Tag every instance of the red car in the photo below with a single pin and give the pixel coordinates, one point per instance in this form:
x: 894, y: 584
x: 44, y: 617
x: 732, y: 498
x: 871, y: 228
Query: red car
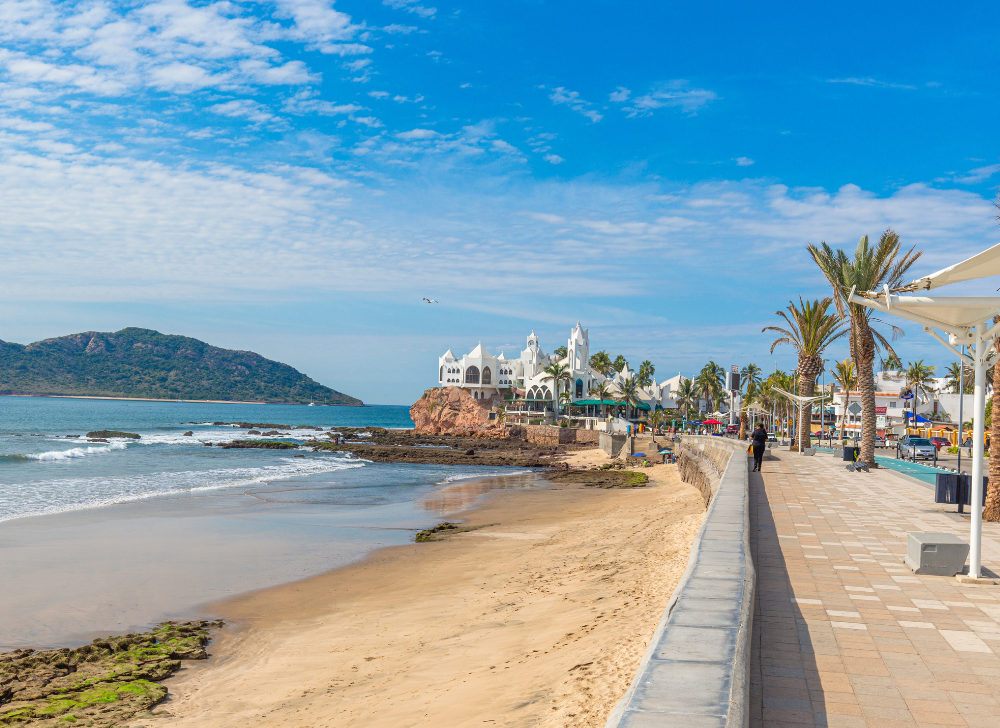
x: 940, y: 442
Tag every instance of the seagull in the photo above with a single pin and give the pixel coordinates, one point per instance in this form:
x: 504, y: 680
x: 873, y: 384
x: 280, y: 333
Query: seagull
x: 430, y: 300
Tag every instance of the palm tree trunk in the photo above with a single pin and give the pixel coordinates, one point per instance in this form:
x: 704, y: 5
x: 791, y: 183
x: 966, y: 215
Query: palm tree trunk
x: 992, y: 510
x: 807, y: 387
x: 864, y: 361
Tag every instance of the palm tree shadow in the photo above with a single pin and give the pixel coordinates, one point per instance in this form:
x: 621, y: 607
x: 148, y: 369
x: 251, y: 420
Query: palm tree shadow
x: 784, y: 683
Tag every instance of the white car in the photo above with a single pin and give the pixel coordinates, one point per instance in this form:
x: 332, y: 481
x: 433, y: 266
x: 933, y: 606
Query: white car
x: 917, y: 447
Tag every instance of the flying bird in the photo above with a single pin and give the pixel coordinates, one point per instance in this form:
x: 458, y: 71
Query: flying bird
x: 430, y: 300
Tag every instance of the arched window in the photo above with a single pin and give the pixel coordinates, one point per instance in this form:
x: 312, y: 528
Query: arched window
x: 487, y: 376
x: 472, y: 375
x: 531, y: 393
x: 545, y: 393
x: 579, y: 388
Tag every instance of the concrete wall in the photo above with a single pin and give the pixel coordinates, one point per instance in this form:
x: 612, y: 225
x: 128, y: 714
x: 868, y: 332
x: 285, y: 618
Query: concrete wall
x: 612, y: 443
x: 552, y: 435
x: 696, y: 669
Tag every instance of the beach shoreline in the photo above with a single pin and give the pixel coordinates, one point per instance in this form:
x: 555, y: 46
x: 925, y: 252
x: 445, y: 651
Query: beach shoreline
x: 538, y: 615
x: 177, y: 401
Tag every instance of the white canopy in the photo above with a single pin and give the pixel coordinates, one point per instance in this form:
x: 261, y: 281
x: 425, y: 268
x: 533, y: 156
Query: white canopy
x: 981, y: 265
x: 797, y: 397
x: 951, y: 313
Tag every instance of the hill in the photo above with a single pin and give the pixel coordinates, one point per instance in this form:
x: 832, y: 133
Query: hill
x: 144, y: 363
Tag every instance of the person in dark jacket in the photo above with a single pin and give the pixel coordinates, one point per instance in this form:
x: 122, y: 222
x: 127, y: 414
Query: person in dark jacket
x: 759, y: 438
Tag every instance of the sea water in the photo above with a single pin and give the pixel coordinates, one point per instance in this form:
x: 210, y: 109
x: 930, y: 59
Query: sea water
x: 44, y: 471
x: 108, y: 537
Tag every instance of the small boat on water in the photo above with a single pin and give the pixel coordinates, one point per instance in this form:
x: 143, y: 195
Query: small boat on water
x: 311, y: 404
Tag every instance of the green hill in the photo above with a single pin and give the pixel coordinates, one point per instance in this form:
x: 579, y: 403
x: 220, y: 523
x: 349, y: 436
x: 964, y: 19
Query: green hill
x: 145, y: 363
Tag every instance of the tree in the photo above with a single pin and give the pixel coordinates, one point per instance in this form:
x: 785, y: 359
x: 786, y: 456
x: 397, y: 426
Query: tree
x: 601, y: 362
x: 656, y: 419
x: 560, y: 353
x: 628, y: 393
x: 711, y: 381
x: 810, y: 330
x: 871, y: 267
x: 619, y: 363
x: 558, y: 373
x: 891, y: 363
x: 566, y: 398
x: 954, y: 378
x: 603, y: 392
x: 646, y: 372
x: 843, y: 374
x: 687, y: 395
x: 991, y: 511
x: 918, y: 376
x: 749, y: 380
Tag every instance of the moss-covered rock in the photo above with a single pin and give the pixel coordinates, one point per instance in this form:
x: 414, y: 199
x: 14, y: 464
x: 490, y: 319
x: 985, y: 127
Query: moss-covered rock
x: 100, y: 684
x: 259, y: 445
x: 113, y: 433
x: 601, y: 478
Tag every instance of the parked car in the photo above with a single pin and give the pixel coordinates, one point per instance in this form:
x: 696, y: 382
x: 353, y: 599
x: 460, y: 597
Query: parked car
x: 917, y: 447
x: 940, y: 442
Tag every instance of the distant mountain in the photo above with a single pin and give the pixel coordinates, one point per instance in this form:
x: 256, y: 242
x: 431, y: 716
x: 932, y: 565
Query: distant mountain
x: 145, y: 363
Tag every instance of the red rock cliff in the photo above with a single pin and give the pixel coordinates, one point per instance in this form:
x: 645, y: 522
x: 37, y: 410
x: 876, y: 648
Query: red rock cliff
x: 453, y: 411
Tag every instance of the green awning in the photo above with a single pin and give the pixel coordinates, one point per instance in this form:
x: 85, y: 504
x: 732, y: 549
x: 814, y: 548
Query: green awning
x: 608, y: 402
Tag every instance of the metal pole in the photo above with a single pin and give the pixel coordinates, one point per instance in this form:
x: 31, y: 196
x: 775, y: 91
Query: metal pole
x: 961, y: 401
x: 979, y: 407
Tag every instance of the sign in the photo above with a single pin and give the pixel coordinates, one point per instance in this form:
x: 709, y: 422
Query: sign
x: 905, y: 393
x: 880, y: 421
x: 854, y: 408
x: 880, y: 410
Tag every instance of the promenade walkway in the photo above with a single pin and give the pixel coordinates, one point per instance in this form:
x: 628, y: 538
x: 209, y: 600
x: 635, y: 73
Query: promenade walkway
x: 844, y: 633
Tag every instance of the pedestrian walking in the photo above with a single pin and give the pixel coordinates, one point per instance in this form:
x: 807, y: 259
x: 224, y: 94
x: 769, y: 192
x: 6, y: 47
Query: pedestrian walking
x: 759, y: 438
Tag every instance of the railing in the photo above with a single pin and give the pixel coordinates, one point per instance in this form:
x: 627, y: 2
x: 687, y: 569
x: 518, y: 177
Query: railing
x: 696, y: 669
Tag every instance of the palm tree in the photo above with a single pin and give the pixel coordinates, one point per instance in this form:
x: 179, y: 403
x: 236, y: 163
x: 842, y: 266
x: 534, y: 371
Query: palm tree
x: 646, y: 372
x: 891, y: 363
x: 628, y: 393
x: 991, y: 511
x: 558, y: 373
x: 603, y: 392
x: 918, y: 376
x: 656, y: 419
x: 601, y: 362
x: 870, y: 269
x: 619, y: 363
x: 566, y: 398
x: 810, y: 330
x: 843, y: 374
x: 711, y: 381
x: 687, y: 395
x: 560, y: 353
x: 749, y: 379
x: 954, y: 378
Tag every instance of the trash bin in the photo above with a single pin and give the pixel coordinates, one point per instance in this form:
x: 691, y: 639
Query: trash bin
x: 851, y: 454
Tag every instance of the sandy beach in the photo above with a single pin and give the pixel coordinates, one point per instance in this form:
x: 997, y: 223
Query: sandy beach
x: 538, y: 617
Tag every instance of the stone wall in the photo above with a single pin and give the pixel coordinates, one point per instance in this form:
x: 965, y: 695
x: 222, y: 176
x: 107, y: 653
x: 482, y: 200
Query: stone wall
x: 552, y: 435
x: 696, y: 668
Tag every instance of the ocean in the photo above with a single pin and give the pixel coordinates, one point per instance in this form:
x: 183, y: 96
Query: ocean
x: 107, y: 537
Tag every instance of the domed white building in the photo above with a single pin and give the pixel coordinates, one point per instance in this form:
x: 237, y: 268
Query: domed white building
x: 523, y: 383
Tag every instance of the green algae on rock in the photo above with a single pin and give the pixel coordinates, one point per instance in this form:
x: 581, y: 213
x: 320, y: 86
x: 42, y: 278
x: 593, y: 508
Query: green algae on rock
x: 259, y: 445
x: 100, y: 684
x: 113, y: 433
x: 601, y: 478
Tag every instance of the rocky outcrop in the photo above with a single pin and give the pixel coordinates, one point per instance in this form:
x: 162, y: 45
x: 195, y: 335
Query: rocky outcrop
x: 454, y: 411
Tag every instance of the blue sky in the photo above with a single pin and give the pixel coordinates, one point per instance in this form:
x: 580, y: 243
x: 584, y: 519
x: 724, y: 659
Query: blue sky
x: 293, y: 177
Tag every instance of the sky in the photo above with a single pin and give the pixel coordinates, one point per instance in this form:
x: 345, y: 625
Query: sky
x: 294, y: 177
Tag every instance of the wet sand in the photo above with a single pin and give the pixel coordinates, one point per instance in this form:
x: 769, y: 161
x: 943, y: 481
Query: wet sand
x: 537, y: 618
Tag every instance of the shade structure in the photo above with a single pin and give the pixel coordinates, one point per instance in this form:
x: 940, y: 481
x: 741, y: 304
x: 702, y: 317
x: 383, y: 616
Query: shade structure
x: 711, y: 422
x: 981, y: 265
x: 919, y: 419
x: 595, y: 402
x: 967, y: 323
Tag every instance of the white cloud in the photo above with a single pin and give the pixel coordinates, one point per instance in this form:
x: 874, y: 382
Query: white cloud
x: 979, y: 174
x: 572, y: 99
x: 620, y: 95
x: 369, y: 121
x: 400, y: 29
x: 345, y: 49
x: 870, y: 82
x: 553, y: 159
x: 744, y: 161
x: 358, y: 64
x: 378, y: 94
x: 245, y: 109
x: 668, y: 94
x: 411, y: 6
x: 305, y: 102
x: 418, y: 134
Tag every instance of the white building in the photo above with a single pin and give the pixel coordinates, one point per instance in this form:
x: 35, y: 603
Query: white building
x: 523, y: 380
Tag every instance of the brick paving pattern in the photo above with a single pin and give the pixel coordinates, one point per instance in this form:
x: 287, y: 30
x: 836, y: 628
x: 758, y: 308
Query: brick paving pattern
x: 844, y: 633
